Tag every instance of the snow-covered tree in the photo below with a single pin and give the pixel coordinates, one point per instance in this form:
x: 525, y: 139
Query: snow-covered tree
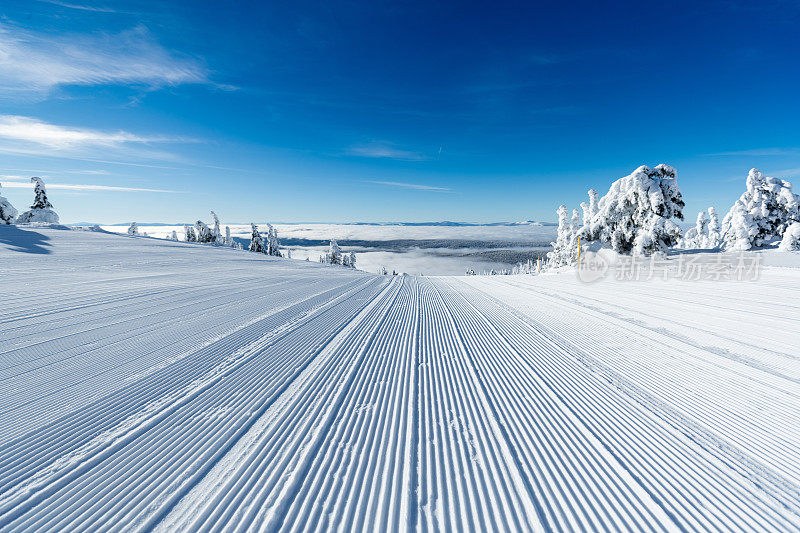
x: 714, y: 235
x: 791, y: 238
x: 334, y: 255
x: 560, y: 255
x: 190, y: 235
x: 273, y: 246
x: 8, y: 213
x: 697, y: 237
x: 635, y: 215
x: 593, y: 204
x: 228, y: 238
x: 575, y: 223
x: 203, y: 232
x: 174, y: 236
x: 133, y: 229
x: 761, y: 214
x: 352, y: 259
x: 42, y: 209
x: 216, y: 235
x: 586, y: 217
x: 257, y: 241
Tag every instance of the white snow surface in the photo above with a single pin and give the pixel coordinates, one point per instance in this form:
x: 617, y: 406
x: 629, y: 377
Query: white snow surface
x: 151, y: 385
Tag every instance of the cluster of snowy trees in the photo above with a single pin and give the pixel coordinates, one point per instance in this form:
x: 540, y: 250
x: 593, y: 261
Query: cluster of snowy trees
x: 335, y: 256
x: 762, y: 213
x: 270, y: 246
x: 40, y: 212
x: 636, y: 216
x: 706, y: 233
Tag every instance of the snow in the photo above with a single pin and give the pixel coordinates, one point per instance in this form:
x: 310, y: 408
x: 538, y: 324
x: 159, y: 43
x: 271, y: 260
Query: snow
x: 137, y: 395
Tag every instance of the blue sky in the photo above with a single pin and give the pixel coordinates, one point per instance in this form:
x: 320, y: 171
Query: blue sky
x: 388, y: 111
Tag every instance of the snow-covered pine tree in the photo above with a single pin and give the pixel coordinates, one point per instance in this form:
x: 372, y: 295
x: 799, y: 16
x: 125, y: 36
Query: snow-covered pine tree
x: 559, y: 256
x: 586, y: 216
x: 761, y: 214
x: 575, y: 223
x: 203, y: 232
x: 228, y: 238
x: 133, y: 229
x: 334, y: 256
x: 8, y: 213
x: 256, y: 241
x: 273, y: 246
x: 635, y: 215
x: 189, y: 234
x: 714, y: 235
x: 174, y: 236
x: 697, y: 237
x: 791, y: 238
x: 352, y: 259
x: 216, y: 235
x: 345, y: 260
x: 42, y: 209
x: 593, y: 204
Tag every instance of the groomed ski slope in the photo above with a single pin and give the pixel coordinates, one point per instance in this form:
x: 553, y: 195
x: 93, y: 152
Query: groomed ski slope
x: 147, y: 385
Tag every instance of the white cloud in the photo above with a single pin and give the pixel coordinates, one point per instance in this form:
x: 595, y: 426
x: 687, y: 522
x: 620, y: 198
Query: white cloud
x: 82, y: 187
x: 29, y: 130
x: 415, y: 186
x: 81, y: 7
x: 386, y: 150
x: 35, y: 63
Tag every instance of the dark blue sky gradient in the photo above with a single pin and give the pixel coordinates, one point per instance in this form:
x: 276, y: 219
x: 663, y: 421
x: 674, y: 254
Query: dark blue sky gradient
x: 511, y: 107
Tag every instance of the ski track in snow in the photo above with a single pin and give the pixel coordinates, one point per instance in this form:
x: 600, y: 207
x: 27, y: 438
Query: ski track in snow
x: 157, y: 386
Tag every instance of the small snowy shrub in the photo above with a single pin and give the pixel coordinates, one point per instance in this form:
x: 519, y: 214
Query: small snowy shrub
x: 256, y: 241
x: 7, y: 212
x: 133, y: 230
x: 174, y: 236
x: 42, y: 209
x: 791, y: 238
x: 761, y: 214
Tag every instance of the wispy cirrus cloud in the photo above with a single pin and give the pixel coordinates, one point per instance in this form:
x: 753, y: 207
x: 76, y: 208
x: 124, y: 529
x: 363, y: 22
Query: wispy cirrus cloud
x: 415, y: 186
x: 82, y: 187
x: 81, y: 7
x: 382, y: 149
x: 33, y: 131
x: 34, y: 63
x: 28, y: 136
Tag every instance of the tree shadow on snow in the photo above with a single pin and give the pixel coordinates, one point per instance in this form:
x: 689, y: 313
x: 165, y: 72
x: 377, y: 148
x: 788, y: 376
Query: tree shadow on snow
x: 27, y: 241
